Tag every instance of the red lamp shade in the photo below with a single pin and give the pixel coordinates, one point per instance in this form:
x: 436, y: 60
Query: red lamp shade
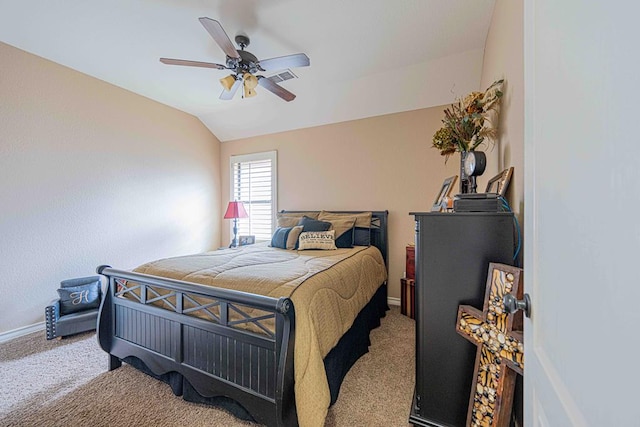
x: 235, y: 210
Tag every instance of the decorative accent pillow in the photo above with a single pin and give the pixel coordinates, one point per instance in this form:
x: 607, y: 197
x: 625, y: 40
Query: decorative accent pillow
x: 324, y: 240
x: 310, y: 224
x: 286, y: 237
x: 291, y: 219
x: 79, y: 298
x: 362, y: 231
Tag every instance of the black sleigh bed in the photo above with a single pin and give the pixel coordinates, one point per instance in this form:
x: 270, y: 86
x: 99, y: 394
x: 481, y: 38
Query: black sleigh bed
x: 227, y: 347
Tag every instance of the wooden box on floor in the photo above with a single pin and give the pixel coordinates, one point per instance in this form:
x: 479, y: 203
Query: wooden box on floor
x: 410, y: 262
x: 408, y: 297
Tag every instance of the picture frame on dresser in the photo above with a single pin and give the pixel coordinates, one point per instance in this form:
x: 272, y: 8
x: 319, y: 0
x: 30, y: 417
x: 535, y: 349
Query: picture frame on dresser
x: 500, y: 183
x: 445, y: 189
x: 246, y: 240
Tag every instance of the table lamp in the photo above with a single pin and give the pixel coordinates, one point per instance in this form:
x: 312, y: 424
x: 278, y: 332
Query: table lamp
x: 235, y: 210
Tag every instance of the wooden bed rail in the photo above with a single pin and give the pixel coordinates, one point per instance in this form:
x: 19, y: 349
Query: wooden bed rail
x: 261, y: 302
x: 154, y: 320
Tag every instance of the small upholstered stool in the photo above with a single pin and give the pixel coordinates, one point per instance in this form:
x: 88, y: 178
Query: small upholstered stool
x: 76, y: 308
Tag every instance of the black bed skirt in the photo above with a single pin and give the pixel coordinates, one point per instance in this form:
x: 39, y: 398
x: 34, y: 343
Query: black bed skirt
x: 353, y: 345
x: 355, y: 342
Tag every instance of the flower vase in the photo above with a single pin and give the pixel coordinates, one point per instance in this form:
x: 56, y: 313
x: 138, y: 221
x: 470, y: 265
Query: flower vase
x: 464, y: 179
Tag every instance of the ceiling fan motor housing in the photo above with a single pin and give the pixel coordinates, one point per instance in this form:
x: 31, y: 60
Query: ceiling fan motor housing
x: 247, y: 63
x: 242, y: 40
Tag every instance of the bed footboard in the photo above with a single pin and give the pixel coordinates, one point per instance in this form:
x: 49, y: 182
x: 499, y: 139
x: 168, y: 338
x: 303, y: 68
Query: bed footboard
x: 219, y: 355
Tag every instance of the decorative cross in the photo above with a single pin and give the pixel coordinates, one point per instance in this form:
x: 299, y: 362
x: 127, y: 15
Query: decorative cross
x: 500, y: 351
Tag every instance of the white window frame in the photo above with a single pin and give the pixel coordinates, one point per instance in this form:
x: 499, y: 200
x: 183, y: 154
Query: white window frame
x: 265, y: 155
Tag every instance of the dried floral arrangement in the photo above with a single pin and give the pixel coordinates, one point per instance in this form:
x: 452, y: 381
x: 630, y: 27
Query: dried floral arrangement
x: 467, y: 122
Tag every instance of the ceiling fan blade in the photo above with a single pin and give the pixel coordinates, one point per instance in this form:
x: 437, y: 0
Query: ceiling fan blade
x: 289, y: 61
x: 217, y: 32
x: 184, y: 62
x: 275, y: 88
x: 227, y: 95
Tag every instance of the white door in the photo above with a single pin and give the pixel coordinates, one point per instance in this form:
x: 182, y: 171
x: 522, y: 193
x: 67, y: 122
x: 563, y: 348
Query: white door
x: 582, y: 210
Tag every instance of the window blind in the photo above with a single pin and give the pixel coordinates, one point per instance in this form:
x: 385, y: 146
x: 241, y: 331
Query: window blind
x: 253, y: 183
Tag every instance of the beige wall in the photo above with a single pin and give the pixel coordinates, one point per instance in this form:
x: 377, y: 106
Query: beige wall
x: 92, y: 174
x: 504, y: 58
x: 378, y: 163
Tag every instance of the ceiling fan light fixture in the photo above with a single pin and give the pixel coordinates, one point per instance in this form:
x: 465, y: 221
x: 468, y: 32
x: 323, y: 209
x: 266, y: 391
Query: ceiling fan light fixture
x: 248, y: 93
x: 250, y: 83
x: 227, y: 82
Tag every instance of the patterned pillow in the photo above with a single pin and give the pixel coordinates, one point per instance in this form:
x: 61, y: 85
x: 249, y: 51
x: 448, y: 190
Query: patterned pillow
x: 324, y: 240
x: 79, y: 298
x: 286, y: 237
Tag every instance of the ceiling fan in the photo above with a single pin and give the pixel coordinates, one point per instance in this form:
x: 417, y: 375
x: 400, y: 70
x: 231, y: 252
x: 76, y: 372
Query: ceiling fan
x: 243, y: 64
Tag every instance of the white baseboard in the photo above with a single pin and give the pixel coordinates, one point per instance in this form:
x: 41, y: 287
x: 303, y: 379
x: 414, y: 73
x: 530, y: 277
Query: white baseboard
x: 393, y: 301
x: 19, y: 332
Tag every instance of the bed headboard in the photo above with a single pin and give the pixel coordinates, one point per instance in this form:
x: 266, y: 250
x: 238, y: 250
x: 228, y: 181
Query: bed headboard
x: 379, y: 236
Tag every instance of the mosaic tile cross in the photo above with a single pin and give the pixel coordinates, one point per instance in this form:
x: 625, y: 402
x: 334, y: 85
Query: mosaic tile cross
x: 500, y: 353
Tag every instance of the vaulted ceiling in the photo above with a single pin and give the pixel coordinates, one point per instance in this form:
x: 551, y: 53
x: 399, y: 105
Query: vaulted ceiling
x: 368, y: 57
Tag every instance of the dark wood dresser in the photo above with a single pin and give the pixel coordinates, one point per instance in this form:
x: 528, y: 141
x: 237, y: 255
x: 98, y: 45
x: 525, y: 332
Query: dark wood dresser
x: 453, y: 252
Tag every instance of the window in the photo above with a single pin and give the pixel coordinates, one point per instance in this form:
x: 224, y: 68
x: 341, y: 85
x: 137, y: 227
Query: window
x: 253, y: 182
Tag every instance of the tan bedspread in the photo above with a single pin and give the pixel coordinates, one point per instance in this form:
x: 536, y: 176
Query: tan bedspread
x: 337, y: 285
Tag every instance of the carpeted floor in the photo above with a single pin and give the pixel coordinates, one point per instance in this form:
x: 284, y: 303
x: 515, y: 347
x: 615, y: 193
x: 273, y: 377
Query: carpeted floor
x: 66, y: 383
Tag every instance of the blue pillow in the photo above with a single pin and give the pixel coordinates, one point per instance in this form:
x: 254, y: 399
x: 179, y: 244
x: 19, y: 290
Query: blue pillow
x: 362, y: 236
x: 345, y: 240
x: 310, y: 224
x: 79, y: 298
x: 286, y: 237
